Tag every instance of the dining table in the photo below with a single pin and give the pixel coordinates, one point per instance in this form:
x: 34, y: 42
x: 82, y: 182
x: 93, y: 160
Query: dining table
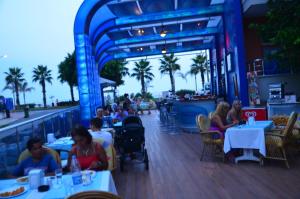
x: 101, y: 181
x: 247, y: 137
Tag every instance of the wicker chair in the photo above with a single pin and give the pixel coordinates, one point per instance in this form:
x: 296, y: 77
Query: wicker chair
x: 25, y: 154
x: 110, y: 153
x: 211, y: 139
x: 278, y: 140
x: 94, y: 195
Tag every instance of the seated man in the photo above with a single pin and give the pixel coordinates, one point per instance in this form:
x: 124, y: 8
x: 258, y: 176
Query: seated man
x: 120, y: 115
x: 96, y: 125
x: 39, y: 159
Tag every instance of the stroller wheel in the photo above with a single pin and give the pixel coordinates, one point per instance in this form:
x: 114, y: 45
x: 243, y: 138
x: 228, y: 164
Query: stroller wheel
x: 122, y: 163
x: 146, y: 160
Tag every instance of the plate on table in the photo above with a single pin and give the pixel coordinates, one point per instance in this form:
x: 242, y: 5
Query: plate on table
x: 91, y: 172
x: 23, y: 180
x: 13, y: 191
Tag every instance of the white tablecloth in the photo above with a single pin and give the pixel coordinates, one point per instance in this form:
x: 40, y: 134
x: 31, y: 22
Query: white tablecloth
x: 247, y: 137
x: 103, y: 181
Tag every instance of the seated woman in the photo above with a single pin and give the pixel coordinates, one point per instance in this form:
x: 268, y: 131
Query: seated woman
x: 89, y: 154
x: 235, y: 113
x: 39, y: 159
x: 218, y: 119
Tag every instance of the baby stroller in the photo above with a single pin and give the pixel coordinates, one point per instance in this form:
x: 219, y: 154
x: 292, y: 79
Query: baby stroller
x: 131, y: 141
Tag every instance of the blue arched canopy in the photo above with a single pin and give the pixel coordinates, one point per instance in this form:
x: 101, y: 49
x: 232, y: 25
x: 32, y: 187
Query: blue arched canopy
x: 119, y: 29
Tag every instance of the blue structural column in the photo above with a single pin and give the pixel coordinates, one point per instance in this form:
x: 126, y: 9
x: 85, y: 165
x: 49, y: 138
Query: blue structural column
x: 212, y: 68
x: 234, y: 43
x: 88, y: 79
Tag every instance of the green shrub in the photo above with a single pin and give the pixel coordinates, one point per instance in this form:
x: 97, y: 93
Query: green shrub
x: 182, y: 92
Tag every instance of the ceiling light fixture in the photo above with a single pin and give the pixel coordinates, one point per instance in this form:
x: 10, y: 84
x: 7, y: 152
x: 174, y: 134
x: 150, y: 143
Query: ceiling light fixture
x: 163, y: 32
x: 164, y: 49
x: 140, y: 31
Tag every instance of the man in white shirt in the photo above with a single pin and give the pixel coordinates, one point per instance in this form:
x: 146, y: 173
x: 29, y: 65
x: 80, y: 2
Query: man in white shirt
x: 106, y: 137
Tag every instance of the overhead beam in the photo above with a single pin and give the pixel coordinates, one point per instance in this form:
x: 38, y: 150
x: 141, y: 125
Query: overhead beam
x: 212, y: 10
x: 178, y: 35
x: 155, y: 38
x: 158, y: 52
x: 142, y: 21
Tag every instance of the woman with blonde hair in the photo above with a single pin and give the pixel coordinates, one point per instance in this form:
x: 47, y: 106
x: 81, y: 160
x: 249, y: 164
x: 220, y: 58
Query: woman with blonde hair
x: 235, y: 113
x: 219, y: 118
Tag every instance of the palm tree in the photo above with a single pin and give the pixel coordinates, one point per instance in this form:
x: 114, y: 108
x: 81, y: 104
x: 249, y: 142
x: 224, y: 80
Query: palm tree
x: 67, y: 72
x: 199, y: 66
x: 115, y: 70
x: 42, y: 75
x: 194, y: 71
x: 24, y: 88
x: 169, y: 66
x: 142, y: 72
x: 14, y: 78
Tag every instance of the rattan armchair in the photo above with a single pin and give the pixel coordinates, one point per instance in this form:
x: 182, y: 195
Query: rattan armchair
x: 211, y: 139
x: 94, y: 195
x: 277, y: 140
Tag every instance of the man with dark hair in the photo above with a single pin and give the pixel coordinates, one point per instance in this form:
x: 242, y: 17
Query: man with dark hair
x: 127, y: 102
x: 39, y: 159
x: 96, y: 125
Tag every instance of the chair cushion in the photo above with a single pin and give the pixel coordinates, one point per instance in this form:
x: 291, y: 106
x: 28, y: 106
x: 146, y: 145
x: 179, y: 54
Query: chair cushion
x: 212, y: 141
x: 110, y: 153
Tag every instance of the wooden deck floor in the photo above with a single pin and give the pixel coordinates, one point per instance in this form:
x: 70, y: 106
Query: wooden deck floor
x: 175, y: 171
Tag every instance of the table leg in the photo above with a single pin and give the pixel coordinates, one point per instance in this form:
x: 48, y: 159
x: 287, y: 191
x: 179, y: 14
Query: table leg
x: 247, y: 155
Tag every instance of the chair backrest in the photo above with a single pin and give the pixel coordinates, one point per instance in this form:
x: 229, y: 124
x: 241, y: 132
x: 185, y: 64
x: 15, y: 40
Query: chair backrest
x: 290, y: 124
x: 110, y: 153
x: 131, y: 138
x: 25, y: 154
x: 94, y: 195
x: 202, y: 122
x: 132, y: 120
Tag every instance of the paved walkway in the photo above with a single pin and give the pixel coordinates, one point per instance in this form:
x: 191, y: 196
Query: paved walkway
x: 17, y: 117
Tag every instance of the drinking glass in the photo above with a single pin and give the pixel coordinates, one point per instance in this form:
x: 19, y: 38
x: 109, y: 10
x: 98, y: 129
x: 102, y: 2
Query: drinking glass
x: 58, y: 175
x: 86, y: 178
x: 68, y: 186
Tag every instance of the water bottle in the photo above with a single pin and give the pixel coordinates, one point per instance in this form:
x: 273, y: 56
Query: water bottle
x: 76, y: 171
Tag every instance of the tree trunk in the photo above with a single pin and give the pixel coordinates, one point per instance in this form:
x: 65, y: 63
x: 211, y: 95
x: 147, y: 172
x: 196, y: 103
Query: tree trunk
x: 17, y: 93
x: 72, y: 93
x: 143, y: 85
x: 202, y: 79
x: 196, y: 82
x: 115, y: 87
x: 172, y: 82
x: 208, y: 73
x: 44, y: 93
x: 24, y: 97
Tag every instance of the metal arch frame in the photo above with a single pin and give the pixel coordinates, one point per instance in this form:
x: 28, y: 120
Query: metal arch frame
x: 147, y: 39
x: 87, y: 67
